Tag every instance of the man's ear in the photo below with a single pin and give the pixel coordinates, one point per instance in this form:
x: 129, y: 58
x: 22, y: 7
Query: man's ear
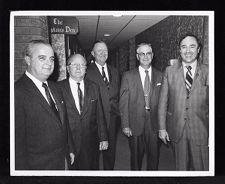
x: 27, y: 60
x: 92, y: 53
x: 137, y: 57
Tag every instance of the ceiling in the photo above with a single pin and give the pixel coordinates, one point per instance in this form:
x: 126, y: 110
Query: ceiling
x: 121, y: 29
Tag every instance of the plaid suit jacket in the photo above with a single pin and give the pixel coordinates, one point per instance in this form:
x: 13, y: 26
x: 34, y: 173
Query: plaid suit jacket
x: 176, y: 107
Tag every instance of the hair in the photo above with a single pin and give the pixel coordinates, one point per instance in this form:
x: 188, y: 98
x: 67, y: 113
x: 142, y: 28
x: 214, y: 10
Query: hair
x: 142, y: 44
x: 197, y: 40
x: 73, y: 55
x: 98, y: 41
x: 191, y: 35
x: 31, y: 44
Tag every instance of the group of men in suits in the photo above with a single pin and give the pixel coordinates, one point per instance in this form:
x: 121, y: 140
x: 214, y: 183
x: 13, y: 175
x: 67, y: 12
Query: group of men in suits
x: 66, y: 125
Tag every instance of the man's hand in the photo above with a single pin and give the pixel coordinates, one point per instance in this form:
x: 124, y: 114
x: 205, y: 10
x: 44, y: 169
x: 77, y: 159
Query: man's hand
x: 163, y: 135
x: 127, y: 132
x: 103, y: 145
x: 72, y: 156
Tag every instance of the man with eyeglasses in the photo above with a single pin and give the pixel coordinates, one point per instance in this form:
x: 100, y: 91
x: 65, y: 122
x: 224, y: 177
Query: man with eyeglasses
x: 85, y: 113
x: 107, y: 78
x: 42, y: 135
x: 138, y: 105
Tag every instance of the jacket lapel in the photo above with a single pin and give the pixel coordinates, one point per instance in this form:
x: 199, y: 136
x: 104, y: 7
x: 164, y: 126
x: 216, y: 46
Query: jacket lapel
x: 36, y: 95
x: 86, y: 98
x: 69, y: 96
x: 139, y: 85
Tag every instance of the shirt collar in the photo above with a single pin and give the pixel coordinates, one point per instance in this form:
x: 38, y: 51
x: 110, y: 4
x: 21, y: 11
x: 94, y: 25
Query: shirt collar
x: 193, y: 65
x: 100, y: 67
x: 75, y: 82
x: 35, y: 80
x: 141, y: 69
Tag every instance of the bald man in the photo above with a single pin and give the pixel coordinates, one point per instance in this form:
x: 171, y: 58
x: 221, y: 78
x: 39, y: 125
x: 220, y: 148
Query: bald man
x: 85, y: 114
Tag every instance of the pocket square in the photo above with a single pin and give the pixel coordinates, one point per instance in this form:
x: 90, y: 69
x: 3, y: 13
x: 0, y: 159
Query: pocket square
x: 158, y: 84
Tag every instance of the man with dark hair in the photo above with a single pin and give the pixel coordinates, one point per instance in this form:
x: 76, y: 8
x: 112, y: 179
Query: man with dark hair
x: 138, y: 104
x: 107, y: 78
x: 184, y: 108
x: 85, y: 113
x: 42, y: 140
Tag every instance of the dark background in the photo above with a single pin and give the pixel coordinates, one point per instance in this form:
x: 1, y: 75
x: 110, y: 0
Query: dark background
x: 169, y: 5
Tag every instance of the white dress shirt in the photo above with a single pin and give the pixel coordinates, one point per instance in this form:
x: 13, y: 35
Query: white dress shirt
x: 193, y: 68
x: 39, y: 86
x: 105, y: 69
x: 74, y: 87
x: 143, y: 74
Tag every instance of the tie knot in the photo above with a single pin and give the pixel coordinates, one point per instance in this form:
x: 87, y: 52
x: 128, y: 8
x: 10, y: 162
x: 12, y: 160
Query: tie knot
x: 78, y: 84
x: 103, y: 68
x: 44, y: 85
x: 189, y: 68
x: 146, y: 71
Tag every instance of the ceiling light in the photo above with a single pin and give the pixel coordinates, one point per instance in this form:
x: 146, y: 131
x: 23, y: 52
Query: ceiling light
x: 107, y: 35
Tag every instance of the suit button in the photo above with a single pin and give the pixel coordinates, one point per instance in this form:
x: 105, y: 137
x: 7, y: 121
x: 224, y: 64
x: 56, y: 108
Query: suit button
x: 187, y: 97
x: 185, y: 119
x: 186, y: 108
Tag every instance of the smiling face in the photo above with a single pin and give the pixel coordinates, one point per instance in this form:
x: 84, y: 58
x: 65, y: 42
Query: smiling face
x: 189, y: 49
x: 100, y: 53
x: 145, y: 55
x: 40, y: 61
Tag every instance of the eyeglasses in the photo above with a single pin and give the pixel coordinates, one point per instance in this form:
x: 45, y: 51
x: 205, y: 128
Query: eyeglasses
x: 148, y: 54
x: 77, y: 65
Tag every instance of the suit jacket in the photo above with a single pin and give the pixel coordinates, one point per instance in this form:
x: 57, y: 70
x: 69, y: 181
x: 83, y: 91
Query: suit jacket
x: 41, y: 137
x: 132, y: 103
x: 177, y: 108
x: 90, y: 124
x: 110, y: 97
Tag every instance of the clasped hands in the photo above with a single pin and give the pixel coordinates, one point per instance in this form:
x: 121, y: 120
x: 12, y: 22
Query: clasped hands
x: 103, y: 145
x: 164, y: 136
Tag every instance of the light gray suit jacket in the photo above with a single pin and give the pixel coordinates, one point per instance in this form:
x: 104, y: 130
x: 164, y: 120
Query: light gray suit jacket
x: 177, y: 108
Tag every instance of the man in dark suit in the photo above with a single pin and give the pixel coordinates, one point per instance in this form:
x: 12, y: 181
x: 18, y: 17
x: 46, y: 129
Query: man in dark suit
x: 184, y: 108
x: 138, y: 107
x: 41, y: 126
x: 107, y: 78
x: 86, y: 118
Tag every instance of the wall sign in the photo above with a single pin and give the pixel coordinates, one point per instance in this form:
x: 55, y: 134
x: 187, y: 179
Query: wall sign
x: 63, y: 25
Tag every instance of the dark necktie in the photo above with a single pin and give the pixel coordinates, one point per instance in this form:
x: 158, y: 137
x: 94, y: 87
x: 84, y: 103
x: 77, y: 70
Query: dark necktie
x: 80, y: 96
x: 188, y: 79
x: 104, y: 77
x: 147, y: 90
x: 50, y: 100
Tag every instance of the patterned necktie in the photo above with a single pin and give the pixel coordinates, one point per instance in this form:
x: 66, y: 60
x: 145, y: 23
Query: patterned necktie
x: 50, y: 100
x: 147, y: 90
x: 104, y: 77
x: 188, y: 79
x: 80, y: 96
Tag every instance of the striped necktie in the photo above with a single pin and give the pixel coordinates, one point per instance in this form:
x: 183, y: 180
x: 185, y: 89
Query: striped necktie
x: 104, y: 77
x: 188, y: 79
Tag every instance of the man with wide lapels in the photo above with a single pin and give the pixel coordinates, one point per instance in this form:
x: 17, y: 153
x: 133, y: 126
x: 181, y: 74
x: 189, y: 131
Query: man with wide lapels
x: 42, y: 140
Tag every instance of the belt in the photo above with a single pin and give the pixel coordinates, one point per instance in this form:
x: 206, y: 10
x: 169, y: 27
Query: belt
x: 147, y: 110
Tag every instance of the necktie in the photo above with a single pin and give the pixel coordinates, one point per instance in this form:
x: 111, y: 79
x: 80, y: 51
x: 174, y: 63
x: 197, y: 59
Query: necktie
x: 104, y: 77
x: 50, y: 100
x: 188, y: 79
x: 80, y: 96
x: 147, y: 90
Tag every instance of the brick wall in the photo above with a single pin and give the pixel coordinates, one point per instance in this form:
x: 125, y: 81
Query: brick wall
x: 26, y: 28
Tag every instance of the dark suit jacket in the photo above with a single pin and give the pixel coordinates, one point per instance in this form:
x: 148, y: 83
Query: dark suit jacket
x: 90, y: 124
x: 132, y: 103
x: 41, y: 138
x: 176, y: 108
x: 110, y: 97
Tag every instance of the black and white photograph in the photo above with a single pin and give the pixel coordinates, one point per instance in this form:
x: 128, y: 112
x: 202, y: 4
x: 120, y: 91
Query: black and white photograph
x: 112, y: 93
